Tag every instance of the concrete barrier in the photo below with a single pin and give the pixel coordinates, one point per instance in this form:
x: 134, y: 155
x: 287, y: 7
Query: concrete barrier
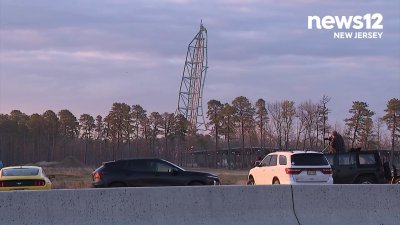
x: 222, y: 205
x: 347, y: 204
x: 230, y: 205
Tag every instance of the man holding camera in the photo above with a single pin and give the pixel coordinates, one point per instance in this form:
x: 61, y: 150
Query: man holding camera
x: 336, y: 142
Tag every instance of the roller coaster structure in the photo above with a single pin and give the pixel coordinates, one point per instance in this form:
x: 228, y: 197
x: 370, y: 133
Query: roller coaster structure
x: 192, y: 84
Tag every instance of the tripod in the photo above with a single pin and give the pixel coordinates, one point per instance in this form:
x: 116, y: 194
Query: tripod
x: 326, y: 148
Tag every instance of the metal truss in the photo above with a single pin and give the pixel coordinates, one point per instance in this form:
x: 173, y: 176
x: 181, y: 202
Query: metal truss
x: 192, y: 84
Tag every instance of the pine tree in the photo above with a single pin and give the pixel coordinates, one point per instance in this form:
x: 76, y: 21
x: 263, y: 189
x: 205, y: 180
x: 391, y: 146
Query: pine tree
x: 86, y: 126
x: 118, y: 120
x: 358, y: 122
x: 214, y: 115
x: 245, y: 117
x: 167, y: 123
x: 392, y: 119
x: 228, y: 126
x: 262, y: 120
x: 68, y: 129
x: 138, y: 118
x: 52, y: 125
x: 155, y: 124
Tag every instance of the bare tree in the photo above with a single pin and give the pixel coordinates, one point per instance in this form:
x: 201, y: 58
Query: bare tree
x: 288, y: 114
x: 323, y: 116
x: 275, y: 112
x: 301, y: 114
x: 311, y: 117
x: 378, y: 131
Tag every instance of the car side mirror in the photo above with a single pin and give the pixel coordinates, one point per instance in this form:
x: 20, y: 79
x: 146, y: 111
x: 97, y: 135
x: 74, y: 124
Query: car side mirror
x: 257, y: 163
x: 51, y: 177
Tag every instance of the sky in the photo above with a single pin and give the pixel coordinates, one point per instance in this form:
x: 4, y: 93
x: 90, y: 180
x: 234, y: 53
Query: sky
x: 86, y: 55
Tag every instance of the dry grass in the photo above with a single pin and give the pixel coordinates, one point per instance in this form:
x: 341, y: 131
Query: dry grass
x: 227, y: 177
x: 70, y: 178
x: 69, y: 173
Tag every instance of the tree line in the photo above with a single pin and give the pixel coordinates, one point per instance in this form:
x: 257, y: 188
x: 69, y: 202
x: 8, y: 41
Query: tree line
x: 130, y: 131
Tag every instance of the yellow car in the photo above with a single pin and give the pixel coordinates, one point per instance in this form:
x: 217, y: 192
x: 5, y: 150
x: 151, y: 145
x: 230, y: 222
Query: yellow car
x: 23, y: 178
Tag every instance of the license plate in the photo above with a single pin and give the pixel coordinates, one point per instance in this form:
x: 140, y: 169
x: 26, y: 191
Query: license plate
x: 311, y: 172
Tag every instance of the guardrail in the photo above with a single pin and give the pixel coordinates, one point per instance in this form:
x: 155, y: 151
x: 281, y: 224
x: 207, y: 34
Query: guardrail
x: 283, y: 204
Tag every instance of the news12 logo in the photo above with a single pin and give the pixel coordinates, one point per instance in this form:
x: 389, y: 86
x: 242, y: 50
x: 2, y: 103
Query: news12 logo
x: 370, y: 24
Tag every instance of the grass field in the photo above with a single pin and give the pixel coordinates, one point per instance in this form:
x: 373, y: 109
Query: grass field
x: 69, y: 173
x: 227, y: 177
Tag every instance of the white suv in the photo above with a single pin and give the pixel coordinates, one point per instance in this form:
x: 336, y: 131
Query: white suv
x: 292, y: 167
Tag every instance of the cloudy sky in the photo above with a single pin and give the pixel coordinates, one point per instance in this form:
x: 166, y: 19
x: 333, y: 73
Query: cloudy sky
x: 85, y: 55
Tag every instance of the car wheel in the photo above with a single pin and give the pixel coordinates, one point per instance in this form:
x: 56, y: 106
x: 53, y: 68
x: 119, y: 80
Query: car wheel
x: 276, y: 181
x: 118, y: 184
x: 251, y: 181
x: 366, y: 180
x: 196, y: 183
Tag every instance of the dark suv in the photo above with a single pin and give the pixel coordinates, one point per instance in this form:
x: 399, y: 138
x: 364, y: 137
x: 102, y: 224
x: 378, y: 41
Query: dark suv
x: 145, y: 172
x: 357, y: 167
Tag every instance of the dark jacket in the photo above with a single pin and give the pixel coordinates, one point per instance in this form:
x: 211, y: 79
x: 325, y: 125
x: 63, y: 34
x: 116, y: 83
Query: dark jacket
x: 337, y: 144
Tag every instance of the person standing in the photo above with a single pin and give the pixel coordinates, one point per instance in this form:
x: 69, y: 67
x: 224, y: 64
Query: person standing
x: 336, y: 142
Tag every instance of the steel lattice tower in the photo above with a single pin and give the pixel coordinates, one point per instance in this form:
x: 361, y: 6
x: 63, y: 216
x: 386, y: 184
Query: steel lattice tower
x: 192, y: 84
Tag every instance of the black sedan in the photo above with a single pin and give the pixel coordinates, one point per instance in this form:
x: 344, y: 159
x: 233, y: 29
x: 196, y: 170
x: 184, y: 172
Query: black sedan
x: 148, y: 172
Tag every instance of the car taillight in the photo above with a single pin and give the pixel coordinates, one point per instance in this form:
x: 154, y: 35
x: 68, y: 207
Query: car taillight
x: 292, y: 171
x: 326, y: 171
x: 39, y: 183
x: 97, y: 176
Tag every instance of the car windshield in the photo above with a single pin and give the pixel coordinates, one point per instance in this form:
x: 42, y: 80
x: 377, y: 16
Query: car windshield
x: 20, y: 172
x: 309, y: 159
